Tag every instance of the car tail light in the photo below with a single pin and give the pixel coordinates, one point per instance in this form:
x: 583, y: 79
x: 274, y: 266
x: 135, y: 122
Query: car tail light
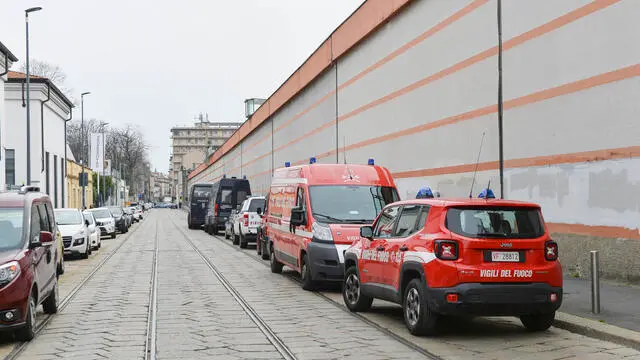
x: 551, y: 251
x: 446, y: 249
x: 553, y: 297
x: 246, y: 219
x: 216, y: 209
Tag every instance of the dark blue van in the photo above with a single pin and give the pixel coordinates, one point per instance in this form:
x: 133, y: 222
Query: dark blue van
x: 227, y: 194
x: 199, y: 199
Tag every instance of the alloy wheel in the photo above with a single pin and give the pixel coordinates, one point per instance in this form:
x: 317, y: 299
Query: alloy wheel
x: 352, y: 289
x: 412, y: 307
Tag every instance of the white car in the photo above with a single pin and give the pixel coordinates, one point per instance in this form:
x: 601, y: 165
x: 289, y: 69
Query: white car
x: 75, y: 232
x: 94, y: 232
x: 105, y: 221
x: 247, y: 221
x: 137, y: 213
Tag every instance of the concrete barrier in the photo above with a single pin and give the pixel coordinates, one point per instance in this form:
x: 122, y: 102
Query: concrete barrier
x: 618, y: 257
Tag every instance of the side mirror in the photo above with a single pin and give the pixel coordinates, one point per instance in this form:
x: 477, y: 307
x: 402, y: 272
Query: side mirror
x: 46, y: 237
x: 366, y: 232
x: 297, y: 217
x: 86, y: 222
x: 259, y: 211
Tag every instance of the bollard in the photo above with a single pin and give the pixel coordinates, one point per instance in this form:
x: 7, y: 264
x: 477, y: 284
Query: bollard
x: 595, y: 283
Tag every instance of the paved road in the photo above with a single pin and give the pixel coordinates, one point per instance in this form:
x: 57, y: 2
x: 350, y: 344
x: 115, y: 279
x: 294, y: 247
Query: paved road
x: 222, y: 302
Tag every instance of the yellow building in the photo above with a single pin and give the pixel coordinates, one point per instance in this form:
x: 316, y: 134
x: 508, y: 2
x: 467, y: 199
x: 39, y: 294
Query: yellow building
x: 74, y: 197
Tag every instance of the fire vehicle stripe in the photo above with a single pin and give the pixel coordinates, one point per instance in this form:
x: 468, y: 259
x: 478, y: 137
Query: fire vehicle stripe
x: 419, y: 256
x: 285, y: 228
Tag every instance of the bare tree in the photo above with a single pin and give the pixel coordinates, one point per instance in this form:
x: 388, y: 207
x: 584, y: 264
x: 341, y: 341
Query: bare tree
x: 126, y: 147
x: 75, y: 137
x: 54, y: 73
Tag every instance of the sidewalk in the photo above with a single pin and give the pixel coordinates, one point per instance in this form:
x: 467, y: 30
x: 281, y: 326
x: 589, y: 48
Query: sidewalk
x: 619, y: 304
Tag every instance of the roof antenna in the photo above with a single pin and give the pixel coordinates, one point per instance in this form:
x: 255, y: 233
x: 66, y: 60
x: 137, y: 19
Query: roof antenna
x: 344, y: 149
x: 344, y: 153
x: 476, y: 170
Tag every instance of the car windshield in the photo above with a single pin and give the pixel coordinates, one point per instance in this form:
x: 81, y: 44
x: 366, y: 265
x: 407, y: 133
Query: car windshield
x: 116, y: 211
x: 88, y: 217
x: 68, y: 217
x: 495, y: 222
x: 101, y: 213
x: 349, y: 204
x: 10, y: 228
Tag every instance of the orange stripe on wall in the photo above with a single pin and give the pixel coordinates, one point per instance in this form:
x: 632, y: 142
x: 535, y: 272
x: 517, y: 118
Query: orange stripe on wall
x: 520, y: 39
x: 570, y: 158
x: 600, y: 231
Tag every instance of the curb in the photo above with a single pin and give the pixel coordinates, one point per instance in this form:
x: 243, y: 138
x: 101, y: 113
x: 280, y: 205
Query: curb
x: 597, y: 330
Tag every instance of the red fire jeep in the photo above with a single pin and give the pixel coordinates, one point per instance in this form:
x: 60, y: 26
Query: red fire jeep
x: 483, y: 257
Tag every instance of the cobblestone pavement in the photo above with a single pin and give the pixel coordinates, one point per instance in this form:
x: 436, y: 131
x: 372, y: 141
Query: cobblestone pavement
x: 197, y: 317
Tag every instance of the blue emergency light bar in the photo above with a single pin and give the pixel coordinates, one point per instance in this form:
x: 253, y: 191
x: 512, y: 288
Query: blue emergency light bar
x: 312, y: 160
x: 244, y: 177
x: 371, y: 162
x: 287, y: 164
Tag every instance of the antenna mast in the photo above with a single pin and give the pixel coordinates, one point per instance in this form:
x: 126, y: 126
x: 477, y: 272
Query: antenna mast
x: 476, y: 170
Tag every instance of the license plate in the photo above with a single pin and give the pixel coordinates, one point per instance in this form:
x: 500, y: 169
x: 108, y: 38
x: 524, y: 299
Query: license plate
x: 505, y: 256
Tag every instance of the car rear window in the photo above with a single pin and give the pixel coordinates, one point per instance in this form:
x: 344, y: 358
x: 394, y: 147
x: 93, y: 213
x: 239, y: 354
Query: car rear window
x: 201, y: 191
x: 495, y: 222
x: 254, y: 204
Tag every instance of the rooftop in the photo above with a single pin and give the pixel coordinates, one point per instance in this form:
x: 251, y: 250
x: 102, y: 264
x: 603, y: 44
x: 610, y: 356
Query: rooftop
x: 19, y: 77
x: 4, y: 50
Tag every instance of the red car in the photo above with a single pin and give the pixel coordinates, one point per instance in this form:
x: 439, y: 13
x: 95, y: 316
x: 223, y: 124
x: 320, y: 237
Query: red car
x: 28, y: 258
x: 435, y: 257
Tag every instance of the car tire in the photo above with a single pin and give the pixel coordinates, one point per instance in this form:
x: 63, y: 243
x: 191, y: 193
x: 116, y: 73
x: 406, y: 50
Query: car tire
x: 305, y: 275
x: 60, y: 266
x: 243, y: 241
x: 258, y: 246
x: 276, y: 266
x: 214, y: 230
x: 85, y: 255
x: 538, y: 322
x: 265, y: 251
x: 113, y: 235
x: 226, y: 235
x: 99, y: 244
x: 418, y: 317
x: 28, y: 330
x: 89, y: 247
x: 50, y: 304
x: 352, y: 292
x: 236, y: 239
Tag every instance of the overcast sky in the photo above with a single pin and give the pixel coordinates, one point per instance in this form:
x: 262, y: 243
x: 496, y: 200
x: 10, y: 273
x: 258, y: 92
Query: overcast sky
x: 158, y: 63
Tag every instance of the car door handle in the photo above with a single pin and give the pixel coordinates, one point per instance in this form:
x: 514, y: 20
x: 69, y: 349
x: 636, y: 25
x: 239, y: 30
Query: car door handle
x: 404, y: 248
x: 380, y: 248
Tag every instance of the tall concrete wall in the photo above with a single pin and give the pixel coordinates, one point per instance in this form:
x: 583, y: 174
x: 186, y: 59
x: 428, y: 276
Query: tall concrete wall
x: 418, y: 93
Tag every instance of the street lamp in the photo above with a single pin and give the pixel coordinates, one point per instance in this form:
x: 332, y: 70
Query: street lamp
x: 82, y: 148
x: 28, y: 80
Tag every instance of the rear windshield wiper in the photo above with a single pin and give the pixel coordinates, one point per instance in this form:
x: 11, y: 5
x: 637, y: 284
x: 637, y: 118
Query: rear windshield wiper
x: 329, y: 218
x: 492, y: 235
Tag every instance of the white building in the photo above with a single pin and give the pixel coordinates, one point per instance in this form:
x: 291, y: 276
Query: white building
x: 50, y: 110
x: 6, y: 60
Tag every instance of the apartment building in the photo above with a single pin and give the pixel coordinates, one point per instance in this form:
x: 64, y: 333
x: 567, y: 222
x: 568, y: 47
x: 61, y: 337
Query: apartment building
x: 192, y: 144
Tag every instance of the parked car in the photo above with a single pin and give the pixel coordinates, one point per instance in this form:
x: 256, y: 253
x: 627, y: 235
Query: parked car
x: 321, y: 208
x: 137, y: 213
x: 247, y: 222
x: 128, y: 215
x: 226, y: 195
x: 122, y: 223
x: 262, y: 247
x: 75, y: 232
x: 228, y: 225
x: 28, y: 260
x: 94, y: 231
x: 451, y: 257
x: 105, y: 221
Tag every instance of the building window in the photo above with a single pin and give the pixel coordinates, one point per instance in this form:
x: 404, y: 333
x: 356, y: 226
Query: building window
x: 47, y: 172
x: 10, y: 166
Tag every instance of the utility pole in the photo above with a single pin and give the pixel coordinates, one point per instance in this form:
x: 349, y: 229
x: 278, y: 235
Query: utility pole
x: 82, y: 147
x: 28, y: 81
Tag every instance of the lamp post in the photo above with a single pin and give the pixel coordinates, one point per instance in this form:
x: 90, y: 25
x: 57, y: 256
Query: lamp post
x: 28, y: 80
x: 82, y: 140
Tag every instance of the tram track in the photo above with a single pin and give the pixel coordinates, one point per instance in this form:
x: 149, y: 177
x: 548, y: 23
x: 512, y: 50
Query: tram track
x: 20, y: 347
x: 268, y: 332
x: 296, y: 280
